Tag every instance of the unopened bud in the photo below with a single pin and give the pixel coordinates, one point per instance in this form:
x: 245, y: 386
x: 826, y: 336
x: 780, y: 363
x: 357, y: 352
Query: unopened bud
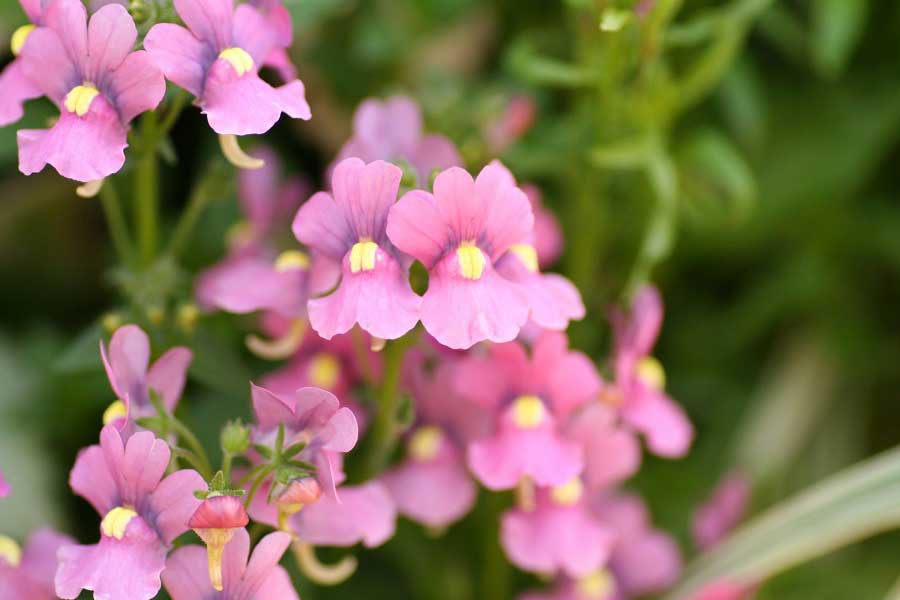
x: 235, y: 438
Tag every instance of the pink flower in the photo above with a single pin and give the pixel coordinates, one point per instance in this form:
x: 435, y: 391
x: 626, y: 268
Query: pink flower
x: 260, y: 578
x: 517, y: 118
x: 612, y: 453
x: 28, y: 574
x: 364, y: 514
x: 548, y: 235
x: 4, y: 486
x: 722, y: 512
x: 280, y: 22
x: 127, y: 363
x: 17, y: 87
x: 349, y: 227
x: 142, y: 515
x: 458, y: 234
x: 98, y: 83
x: 530, y: 397
x: 725, y: 590
x: 215, y: 521
x: 559, y: 535
x: 313, y: 416
x: 218, y: 58
x: 432, y: 485
x: 391, y: 130
x: 600, y: 585
x: 640, y: 380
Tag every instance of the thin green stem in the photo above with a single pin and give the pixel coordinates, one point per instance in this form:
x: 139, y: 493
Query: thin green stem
x: 188, y: 437
x: 226, y: 467
x: 202, y: 194
x: 260, y: 478
x: 146, y: 191
x: 115, y: 220
x: 174, y: 111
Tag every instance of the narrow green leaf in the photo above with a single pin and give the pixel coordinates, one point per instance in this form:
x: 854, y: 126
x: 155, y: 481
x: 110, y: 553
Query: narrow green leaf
x: 837, y: 27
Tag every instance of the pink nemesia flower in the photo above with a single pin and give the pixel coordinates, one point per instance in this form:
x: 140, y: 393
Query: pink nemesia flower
x: 28, y: 574
x: 142, y: 515
x: 644, y: 560
x: 391, y: 130
x: 612, y: 453
x: 132, y: 378
x: 530, y: 398
x: 458, y: 234
x: 280, y: 22
x: 558, y: 535
x: 432, y: 485
x: 517, y: 118
x: 4, y: 486
x: 640, y: 380
x: 600, y: 585
x: 722, y: 512
x: 548, y: 235
x: 260, y: 578
x: 16, y: 85
x: 90, y: 72
x: 364, y: 514
x: 348, y: 226
x: 218, y: 58
x: 215, y: 521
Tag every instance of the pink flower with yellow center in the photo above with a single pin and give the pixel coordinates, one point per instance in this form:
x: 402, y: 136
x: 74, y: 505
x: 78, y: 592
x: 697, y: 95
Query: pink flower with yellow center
x: 90, y: 71
x: 458, y: 233
x: 142, y: 514
x: 16, y: 85
x: 28, y: 573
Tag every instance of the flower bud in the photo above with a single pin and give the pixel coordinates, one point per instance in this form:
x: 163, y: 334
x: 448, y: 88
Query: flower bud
x: 235, y: 438
x: 215, y: 521
x: 298, y: 494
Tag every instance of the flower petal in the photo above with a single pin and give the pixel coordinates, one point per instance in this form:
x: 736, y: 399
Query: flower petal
x: 181, y: 56
x: 17, y: 88
x: 111, y: 36
x: 138, y: 85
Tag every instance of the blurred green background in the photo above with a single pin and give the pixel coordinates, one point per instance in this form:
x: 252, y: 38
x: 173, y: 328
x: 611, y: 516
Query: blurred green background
x: 782, y: 288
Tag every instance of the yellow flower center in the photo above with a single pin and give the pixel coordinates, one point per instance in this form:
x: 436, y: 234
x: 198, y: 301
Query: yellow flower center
x: 568, y: 493
x: 528, y: 412
x: 651, y: 372
x: 79, y: 100
x: 362, y: 256
x: 116, y: 522
x: 471, y: 260
x: 425, y: 443
x: 19, y: 37
x: 325, y: 371
x: 290, y: 260
x: 238, y: 59
x: 596, y: 586
x: 10, y: 552
x: 527, y: 254
x: 114, y: 411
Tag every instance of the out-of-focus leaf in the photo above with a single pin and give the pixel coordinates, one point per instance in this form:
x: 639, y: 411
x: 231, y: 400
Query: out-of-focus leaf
x: 852, y: 505
x: 715, y: 178
x: 741, y: 96
x: 83, y: 353
x: 837, y: 27
x: 217, y: 363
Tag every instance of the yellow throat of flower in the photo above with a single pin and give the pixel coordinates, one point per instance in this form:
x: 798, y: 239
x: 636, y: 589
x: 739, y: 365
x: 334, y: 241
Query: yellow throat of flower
x: 568, y: 493
x: 79, y: 100
x: 528, y: 412
x: 19, y: 37
x: 596, y: 586
x: 651, y: 372
x: 527, y: 254
x: 425, y: 443
x: 10, y: 552
x: 471, y: 260
x: 324, y: 371
x: 116, y: 522
x: 290, y: 260
x: 362, y: 256
x: 239, y: 59
x: 114, y: 411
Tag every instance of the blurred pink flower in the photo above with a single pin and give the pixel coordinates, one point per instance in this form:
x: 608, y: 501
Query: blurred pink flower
x: 459, y: 233
x: 16, y: 85
x: 391, y: 130
x: 363, y: 514
x: 142, y: 515
x: 28, y: 574
x: 348, y: 226
x: 722, y: 512
x: 218, y: 58
x: 4, y: 486
x: 612, y: 453
x: 282, y: 25
x: 548, y: 235
x: 517, y: 118
x: 98, y: 83
x: 259, y: 578
x: 725, y: 590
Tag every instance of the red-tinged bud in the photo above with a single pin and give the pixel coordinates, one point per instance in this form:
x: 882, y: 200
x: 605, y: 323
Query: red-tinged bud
x: 215, y: 521
x: 298, y: 494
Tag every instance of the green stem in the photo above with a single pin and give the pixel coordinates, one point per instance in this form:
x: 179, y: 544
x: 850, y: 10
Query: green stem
x: 172, y: 114
x: 226, y: 467
x: 258, y: 482
x: 115, y: 220
x: 187, y: 436
x: 201, y: 196
x: 147, y: 191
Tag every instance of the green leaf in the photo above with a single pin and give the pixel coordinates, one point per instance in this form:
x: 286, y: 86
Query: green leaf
x: 837, y: 27
x: 856, y: 503
x: 83, y: 354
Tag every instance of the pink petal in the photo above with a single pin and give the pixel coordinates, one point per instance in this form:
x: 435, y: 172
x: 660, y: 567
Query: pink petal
x: 143, y: 465
x: 47, y: 65
x: 17, y: 88
x: 722, y: 512
x: 637, y: 333
x: 252, y: 33
x: 209, y: 20
x: 173, y: 503
x: 503, y: 209
x: 501, y: 461
x: 248, y: 283
x: 320, y: 225
x: 181, y: 56
x: 487, y: 380
x: 415, y: 226
x: 39, y: 556
x: 554, y: 300
x: 234, y: 559
x: 548, y: 235
x: 381, y: 301
x: 647, y: 564
x: 320, y: 411
x: 550, y: 539
x: 364, y: 514
x: 611, y: 454
x: 127, y: 361
x: 33, y: 8
x: 570, y: 378
x: 4, y: 486
x: 435, y: 493
x: 269, y: 409
x: 433, y: 153
x: 664, y: 423
x: 461, y: 312
x: 279, y: 60
x: 168, y: 374
x: 391, y: 127
x: 84, y: 149
x: 111, y: 37
x: 68, y: 18
x: 263, y: 562
x: 91, y: 479
x: 364, y: 194
x: 137, y: 85
x: 186, y: 576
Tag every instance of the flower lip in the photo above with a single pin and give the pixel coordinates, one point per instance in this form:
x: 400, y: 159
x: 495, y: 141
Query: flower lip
x: 425, y: 443
x: 219, y: 512
x: 19, y: 37
x: 239, y: 59
x: 10, y: 551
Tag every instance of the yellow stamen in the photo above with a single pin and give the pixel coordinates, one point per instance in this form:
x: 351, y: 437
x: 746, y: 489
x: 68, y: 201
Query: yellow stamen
x: 651, y: 372
x: 10, y: 552
x: 596, y: 586
x: 362, y: 256
x: 425, y: 443
x: 216, y: 540
x: 290, y: 260
x: 238, y: 59
x: 325, y: 371
x: 114, y: 412
x: 116, y: 522
x: 19, y: 37
x: 528, y: 412
x: 233, y: 153
x: 79, y: 100
x: 278, y: 348
x: 568, y: 493
x: 527, y: 254
x: 471, y: 261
